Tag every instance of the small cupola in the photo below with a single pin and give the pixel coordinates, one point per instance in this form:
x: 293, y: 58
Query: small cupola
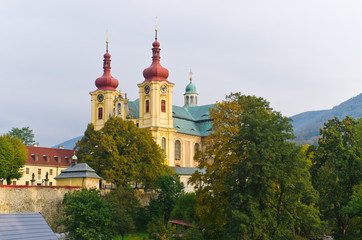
x: 106, y: 81
x: 190, y: 94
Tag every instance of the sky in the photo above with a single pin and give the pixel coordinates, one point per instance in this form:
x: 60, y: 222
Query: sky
x: 300, y: 55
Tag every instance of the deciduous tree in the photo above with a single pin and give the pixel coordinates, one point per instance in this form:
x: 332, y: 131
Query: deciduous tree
x: 88, y: 215
x: 122, y: 153
x: 25, y: 134
x: 336, y: 170
x: 257, y: 184
x: 13, y: 155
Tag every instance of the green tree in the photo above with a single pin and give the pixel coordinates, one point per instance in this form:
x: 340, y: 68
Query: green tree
x: 125, y: 206
x: 336, y: 170
x: 185, y: 208
x: 88, y: 215
x: 169, y: 189
x: 13, y: 155
x: 256, y: 183
x: 25, y: 134
x: 122, y: 153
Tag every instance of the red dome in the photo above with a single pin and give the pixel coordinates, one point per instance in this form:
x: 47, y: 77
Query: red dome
x: 155, y: 72
x: 107, y: 82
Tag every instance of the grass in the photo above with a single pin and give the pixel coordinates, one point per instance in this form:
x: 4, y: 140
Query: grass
x: 133, y: 236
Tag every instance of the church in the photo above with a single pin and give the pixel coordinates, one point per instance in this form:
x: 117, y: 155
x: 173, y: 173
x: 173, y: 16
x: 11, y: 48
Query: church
x: 179, y: 130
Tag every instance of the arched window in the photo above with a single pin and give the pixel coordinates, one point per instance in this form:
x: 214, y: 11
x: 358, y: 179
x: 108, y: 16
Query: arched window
x: 163, y: 145
x: 100, y: 113
x: 147, y: 106
x: 196, y: 148
x: 177, y: 150
x: 192, y: 100
x: 163, y: 105
x: 187, y: 99
x: 119, y: 109
x: 195, y: 99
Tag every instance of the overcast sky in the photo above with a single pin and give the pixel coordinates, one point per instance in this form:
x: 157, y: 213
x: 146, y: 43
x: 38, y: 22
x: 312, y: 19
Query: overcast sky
x: 300, y: 55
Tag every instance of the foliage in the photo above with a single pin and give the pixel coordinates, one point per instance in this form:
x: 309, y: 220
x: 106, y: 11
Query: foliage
x: 169, y: 189
x: 185, y: 208
x: 88, y: 215
x: 25, y: 134
x: 125, y: 206
x: 193, y: 234
x: 122, y: 153
x: 336, y: 170
x: 256, y: 183
x: 13, y: 155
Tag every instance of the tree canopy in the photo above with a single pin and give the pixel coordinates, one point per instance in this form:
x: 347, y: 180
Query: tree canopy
x: 13, y: 155
x: 88, y: 215
x: 256, y: 183
x: 336, y: 170
x: 25, y: 134
x: 122, y: 153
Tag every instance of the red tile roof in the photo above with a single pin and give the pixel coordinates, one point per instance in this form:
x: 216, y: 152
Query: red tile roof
x: 49, y: 156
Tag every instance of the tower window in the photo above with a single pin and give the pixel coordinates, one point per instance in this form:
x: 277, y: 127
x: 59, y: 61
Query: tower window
x: 192, y: 100
x: 163, y: 105
x: 119, y: 108
x: 187, y: 100
x: 163, y: 145
x: 197, y: 148
x: 100, y: 113
x: 195, y: 100
x: 147, y: 106
x: 177, y: 150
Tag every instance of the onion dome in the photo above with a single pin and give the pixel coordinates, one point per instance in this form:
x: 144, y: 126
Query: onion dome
x: 107, y: 82
x: 190, y: 88
x: 155, y: 72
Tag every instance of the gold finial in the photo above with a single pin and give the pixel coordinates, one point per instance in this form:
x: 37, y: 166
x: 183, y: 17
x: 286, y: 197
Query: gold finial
x: 156, y: 29
x: 107, y: 40
x: 190, y: 73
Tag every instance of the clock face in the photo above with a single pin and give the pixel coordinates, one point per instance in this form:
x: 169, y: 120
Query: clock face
x: 100, y: 97
x: 147, y: 89
x: 163, y: 89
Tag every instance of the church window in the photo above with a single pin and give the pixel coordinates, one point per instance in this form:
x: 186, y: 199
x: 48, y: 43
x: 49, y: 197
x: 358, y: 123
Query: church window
x: 119, y: 108
x: 50, y: 184
x: 187, y: 100
x: 100, y: 113
x: 192, y: 100
x: 147, y: 106
x: 163, y: 145
x: 163, y: 105
x: 26, y: 182
x: 51, y: 172
x: 196, y: 148
x: 177, y: 150
x: 27, y: 170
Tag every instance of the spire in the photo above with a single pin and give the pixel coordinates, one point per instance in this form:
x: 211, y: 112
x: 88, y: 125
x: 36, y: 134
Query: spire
x: 106, y: 81
x: 155, y: 72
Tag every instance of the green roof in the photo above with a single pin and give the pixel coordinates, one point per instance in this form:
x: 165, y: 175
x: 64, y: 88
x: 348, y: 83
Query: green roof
x: 187, y: 170
x: 190, y: 88
x: 80, y: 170
x: 192, y: 120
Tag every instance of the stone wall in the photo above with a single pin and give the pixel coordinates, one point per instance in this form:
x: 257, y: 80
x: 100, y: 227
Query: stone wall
x: 29, y: 199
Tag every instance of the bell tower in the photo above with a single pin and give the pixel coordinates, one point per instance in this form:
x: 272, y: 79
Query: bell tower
x: 103, y: 98
x: 155, y: 103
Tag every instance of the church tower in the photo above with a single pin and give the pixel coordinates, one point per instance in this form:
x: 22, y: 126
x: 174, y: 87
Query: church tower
x: 103, y: 98
x: 155, y: 103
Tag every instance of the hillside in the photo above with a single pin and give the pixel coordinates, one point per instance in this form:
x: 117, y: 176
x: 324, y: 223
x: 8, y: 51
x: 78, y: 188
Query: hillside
x: 306, y: 125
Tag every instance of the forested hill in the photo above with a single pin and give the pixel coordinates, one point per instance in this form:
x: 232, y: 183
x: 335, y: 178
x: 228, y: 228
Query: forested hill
x: 306, y: 125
